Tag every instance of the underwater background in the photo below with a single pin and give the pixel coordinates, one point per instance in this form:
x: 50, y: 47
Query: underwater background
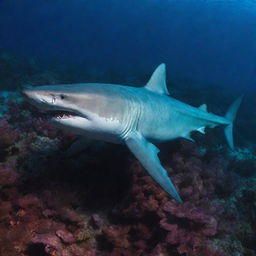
x: 101, y: 201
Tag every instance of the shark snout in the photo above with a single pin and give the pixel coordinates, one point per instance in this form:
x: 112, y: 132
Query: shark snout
x: 27, y: 92
x: 43, y: 99
x: 34, y: 96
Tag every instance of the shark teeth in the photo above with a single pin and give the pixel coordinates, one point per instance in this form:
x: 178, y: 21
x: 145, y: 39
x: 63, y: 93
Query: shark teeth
x: 64, y: 116
x: 61, y: 114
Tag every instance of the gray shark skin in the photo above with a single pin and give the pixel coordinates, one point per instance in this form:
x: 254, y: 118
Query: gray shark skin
x: 134, y: 116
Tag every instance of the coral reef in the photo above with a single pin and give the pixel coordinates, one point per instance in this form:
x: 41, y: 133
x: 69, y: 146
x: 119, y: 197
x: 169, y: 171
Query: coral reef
x: 102, y: 203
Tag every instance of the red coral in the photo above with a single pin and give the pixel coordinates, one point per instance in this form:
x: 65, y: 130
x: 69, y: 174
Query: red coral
x: 117, y: 236
x: 8, y: 134
x: 187, y: 227
x: 45, y: 128
x: 29, y: 201
x: 65, y: 236
x: 52, y: 243
x: 5, y: 210
x: 52, y: 218
x: 8, y: 177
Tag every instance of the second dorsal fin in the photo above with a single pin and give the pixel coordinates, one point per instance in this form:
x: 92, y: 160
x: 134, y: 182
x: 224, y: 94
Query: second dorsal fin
x: 157, y: 82
x: 203, y: 107
x: 201, y: 130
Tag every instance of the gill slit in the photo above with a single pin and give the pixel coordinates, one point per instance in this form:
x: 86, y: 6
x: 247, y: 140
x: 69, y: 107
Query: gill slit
x: 134, y: 109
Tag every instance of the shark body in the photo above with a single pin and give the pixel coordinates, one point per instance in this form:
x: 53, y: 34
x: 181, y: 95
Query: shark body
x: 134, y: 116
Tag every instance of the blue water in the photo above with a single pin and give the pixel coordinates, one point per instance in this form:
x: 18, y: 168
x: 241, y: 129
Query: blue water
x: 95, y: 198
x: 209, y: 42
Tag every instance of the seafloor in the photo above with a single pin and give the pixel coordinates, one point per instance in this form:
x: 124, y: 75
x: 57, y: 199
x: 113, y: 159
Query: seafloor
x: 101, y: 201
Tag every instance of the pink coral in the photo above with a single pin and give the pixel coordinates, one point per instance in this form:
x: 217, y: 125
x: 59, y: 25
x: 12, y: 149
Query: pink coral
x: 45, y: 128
x: 8, y: 176
x: 187, y: 227
x: 43, y: 212
x: 8, y: 134
x: 117, y: 236
x: 65, y: 236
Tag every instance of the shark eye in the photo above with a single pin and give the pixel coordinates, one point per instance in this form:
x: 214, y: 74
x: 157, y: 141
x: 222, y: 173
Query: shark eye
x: 62, y: 96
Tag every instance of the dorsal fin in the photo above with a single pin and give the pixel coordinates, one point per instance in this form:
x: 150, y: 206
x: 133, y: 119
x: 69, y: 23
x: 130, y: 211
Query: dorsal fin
x: 157, y: 82
x: 203, y: 107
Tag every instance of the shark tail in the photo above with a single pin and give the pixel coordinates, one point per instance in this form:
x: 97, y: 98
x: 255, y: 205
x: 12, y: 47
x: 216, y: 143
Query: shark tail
x: 230, y: 116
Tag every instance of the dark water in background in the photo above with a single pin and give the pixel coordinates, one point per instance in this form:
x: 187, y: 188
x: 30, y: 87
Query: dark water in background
x: 210, y: 42
x: 101, y: 201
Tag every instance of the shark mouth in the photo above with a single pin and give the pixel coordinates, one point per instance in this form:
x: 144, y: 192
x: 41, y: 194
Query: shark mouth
x: 61, y: 114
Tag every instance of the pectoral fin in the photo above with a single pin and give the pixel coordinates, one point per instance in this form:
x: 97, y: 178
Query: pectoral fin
x: 146, y: 153
x: 80, y: 144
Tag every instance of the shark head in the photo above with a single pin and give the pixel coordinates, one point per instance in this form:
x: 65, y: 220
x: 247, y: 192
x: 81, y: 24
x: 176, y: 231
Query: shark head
x: 63, y: 103
x: 80, y: 108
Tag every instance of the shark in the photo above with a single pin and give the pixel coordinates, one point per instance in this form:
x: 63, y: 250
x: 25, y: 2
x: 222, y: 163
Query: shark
x: 138, y: 117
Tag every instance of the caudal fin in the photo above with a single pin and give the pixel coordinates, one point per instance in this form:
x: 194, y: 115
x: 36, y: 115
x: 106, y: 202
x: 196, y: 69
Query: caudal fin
x: 231, y: 115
